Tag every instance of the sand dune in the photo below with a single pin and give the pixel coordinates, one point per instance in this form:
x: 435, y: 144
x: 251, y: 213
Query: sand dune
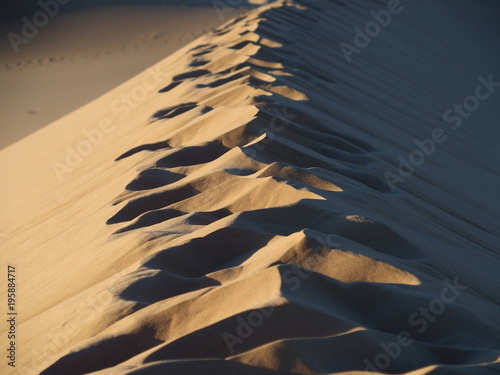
x: 240, y: 218
x: 88, y: 48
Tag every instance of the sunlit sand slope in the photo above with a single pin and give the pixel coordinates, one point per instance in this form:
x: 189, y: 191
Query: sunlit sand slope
x: 263, y: 208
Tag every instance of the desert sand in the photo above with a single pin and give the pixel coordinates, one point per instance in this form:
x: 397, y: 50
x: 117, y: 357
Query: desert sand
x: 262, y: 202
x: 87, y: 49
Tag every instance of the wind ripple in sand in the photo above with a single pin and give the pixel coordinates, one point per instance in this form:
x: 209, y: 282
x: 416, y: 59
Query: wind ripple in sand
x: 265, y: 193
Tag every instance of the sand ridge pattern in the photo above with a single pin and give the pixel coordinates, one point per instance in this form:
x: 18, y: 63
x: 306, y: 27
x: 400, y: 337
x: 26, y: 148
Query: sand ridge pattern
x: 255, y: 197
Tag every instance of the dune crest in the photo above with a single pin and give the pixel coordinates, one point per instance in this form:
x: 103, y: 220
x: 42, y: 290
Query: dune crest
x: 241, y: 220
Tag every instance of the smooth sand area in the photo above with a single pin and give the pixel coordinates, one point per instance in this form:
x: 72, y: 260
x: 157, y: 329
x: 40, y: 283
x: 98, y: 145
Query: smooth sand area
x: 87, y: 49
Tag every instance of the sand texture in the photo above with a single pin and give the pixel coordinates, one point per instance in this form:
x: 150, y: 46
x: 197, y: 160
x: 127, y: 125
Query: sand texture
x: 235, y: 216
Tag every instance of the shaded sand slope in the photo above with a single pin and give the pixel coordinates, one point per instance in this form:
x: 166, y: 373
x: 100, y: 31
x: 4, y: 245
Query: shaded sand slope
x: 240, y: 220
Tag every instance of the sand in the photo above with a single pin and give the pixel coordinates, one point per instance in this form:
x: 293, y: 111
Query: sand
x: 257, y: 204
x: 87, y: 49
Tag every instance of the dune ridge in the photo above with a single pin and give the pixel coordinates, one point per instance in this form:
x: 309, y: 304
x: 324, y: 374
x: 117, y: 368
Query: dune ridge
x: 247, y: 226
